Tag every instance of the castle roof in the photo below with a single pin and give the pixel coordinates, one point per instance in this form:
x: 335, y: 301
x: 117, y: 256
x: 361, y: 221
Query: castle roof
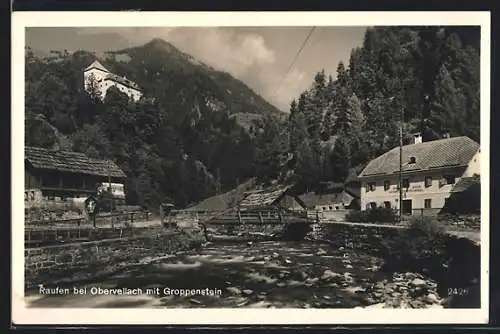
x: 96, y: 64
x: 124, y: 81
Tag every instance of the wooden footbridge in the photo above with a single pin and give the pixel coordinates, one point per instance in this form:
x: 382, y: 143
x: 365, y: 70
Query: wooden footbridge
x: 235, y: 224
x: 232, y: 216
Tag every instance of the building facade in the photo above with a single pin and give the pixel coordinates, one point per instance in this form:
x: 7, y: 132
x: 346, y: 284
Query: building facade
x: 62, y: 179
x: 430, y: 171
x: 102, y: 79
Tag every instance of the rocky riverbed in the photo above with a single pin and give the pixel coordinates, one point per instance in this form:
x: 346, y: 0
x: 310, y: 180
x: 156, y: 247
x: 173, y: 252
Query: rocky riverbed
x: 262, y: 274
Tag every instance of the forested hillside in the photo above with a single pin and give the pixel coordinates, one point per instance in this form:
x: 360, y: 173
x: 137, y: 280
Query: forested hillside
x: 198, y: 131
x: 428, y: 73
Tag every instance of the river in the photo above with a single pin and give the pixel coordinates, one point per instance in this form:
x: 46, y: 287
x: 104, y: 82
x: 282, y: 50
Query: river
x: 262, y: 274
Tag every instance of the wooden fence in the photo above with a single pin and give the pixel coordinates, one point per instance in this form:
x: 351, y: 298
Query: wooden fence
x: 103, y: 219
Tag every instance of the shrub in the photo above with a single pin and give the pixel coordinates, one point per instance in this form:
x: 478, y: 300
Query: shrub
x: 422, y: 246
x: 376, y: 215
x: 425, y: 226
x: 357, y: 216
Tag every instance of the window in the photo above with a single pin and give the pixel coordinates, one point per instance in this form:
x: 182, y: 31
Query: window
x: 387, y: 204
x: 331, y: 208
x: 387, y: 184
x: 406, y: 183
x: 427, y: 203
x: 368, y: 206
x: 428, y: 181
x: 373, y: 205
x: 450, y: 179
x: 371, y: 186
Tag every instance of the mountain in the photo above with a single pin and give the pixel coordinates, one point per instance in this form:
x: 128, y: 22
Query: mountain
x: 194, y: 134
x: 154, y: 64
x: 199, y: 132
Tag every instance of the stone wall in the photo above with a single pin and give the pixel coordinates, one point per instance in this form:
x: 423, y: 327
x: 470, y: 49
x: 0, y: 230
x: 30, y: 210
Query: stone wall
x: 88, y: 260
x: 361, y: 237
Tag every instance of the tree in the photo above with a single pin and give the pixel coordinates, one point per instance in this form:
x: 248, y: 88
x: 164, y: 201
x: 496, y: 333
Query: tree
x: 93, y: 90
x: 354, y: 116
x: 305, y: 166
x: 341, y: 100
x: 448, y: 109
x: 92, y: 141
x: 340, y: 159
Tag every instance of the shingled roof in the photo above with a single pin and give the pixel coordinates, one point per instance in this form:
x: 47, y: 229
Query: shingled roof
x: 264, y: 197
x: 124, y: 81
x: 448, y: 152
x: 69, y: 161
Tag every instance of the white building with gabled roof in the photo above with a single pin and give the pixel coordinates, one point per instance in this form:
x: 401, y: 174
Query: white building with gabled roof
x: 431, y: 173
x: 100, y: 77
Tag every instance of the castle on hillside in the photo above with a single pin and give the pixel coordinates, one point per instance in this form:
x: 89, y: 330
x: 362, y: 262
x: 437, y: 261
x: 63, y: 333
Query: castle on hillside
x: 98, y: 75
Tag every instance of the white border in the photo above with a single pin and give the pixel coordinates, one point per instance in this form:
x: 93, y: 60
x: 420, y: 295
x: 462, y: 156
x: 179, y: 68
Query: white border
x: 23, y: 315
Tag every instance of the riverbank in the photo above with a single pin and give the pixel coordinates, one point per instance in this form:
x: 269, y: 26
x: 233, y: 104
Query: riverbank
x: 352, y: 267
x: 264, y: 274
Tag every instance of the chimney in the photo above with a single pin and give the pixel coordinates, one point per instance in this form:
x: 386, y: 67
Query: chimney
x: 417, y: 138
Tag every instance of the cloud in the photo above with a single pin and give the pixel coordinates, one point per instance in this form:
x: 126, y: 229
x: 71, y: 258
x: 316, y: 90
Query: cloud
x: 292, y: 86
x: 245, y: 55
x: 224, y: 49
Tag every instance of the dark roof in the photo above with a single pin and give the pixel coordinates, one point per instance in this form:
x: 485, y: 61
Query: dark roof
x: 465, y: 183
x: 124, y: 81
x: 69, y: 161
x: 448, y: 152
x: 226, y: 200
x: 264, y: 197
x: 312, y: 199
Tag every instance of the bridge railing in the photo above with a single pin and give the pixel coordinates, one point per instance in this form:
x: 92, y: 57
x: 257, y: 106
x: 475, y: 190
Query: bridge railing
x: 263, y: 216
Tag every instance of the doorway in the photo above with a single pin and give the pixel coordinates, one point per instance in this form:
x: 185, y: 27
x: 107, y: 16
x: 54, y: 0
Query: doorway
x: 407, y: 207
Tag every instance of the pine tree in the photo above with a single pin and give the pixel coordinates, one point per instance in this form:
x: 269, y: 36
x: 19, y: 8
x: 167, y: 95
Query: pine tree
x: 329, y: 117
x: 448, y: 109
x: 340, y: 159
x: 306, y: 166
x: 355, y: 117
x: 298, y: 131
x: 341, y: 100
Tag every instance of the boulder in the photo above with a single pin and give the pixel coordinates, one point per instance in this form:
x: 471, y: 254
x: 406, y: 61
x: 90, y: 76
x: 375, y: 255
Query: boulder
x: 418, y: 282
x: 432, y: 298
x: 234, y: 290
x: 328, y: 274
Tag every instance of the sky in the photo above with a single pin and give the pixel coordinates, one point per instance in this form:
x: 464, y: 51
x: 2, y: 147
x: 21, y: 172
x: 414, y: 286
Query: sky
x: 258, y: 56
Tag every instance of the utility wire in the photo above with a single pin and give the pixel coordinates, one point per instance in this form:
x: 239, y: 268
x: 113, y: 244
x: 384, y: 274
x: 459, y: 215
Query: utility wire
x: 295, y: 59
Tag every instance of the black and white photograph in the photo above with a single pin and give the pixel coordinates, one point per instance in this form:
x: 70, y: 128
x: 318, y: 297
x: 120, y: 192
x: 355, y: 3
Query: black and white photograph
x: 338, y: 163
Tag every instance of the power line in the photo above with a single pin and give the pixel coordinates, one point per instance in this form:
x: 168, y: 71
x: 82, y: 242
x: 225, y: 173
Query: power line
x: 294, y: 59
